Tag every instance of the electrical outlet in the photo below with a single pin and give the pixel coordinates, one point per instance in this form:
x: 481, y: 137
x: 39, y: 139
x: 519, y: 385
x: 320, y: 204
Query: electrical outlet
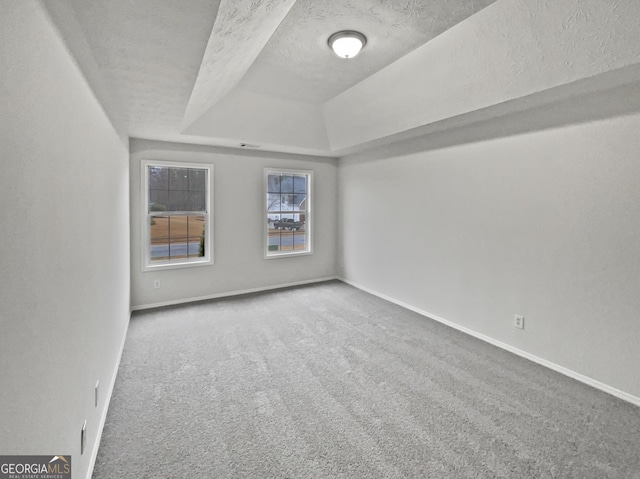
x: 83, y: 437
x: 156, y: 284
x: 96, y: 393
x: 518, y: 321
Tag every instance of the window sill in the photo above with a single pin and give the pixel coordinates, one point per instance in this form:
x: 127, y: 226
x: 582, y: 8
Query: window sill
x: 288, y: 255
x: 184, y: 264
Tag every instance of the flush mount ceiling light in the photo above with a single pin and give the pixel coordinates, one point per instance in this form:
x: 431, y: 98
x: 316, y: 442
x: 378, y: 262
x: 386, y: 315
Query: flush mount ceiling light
x: 347, y: 44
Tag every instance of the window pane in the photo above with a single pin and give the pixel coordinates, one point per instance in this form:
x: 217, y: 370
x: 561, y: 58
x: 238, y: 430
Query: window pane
x: 177, y: 236
x: 286, y: 203
x: 177, y: 189
x: 197, y: 179
x: 280, y: 232
x: 178, y: 200
x: 285, y: 241
x: 177, y: 226
x: 273, y: 183
x: 284, y: 222
x: 179, y: 179
x: 300, y: 241
x: 197, y: 201
x: 197, y: 236
x: 178, y: 247
x: 300, y: 184
x: 158, y: 200
x: 299, y: 202
x: 158, y: 178
x: 159, y: 238
x: 271, y: 219
x: 273, y: 235
x: 158, y: 186
x: 273, y: 242
x: 286, y: 184
x: 159, y: 228
x: 273, y: 202
x: 159, y: 251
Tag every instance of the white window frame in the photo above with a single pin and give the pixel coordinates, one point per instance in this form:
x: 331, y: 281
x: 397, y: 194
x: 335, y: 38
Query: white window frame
x: 308, y: 212
x: 207, y: 259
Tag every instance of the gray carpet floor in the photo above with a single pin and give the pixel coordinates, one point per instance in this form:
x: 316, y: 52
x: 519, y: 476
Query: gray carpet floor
x: 327, y: 381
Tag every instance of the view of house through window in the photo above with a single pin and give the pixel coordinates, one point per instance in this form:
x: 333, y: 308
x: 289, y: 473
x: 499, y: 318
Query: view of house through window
x: 288, y: 212
x: 177, y: 211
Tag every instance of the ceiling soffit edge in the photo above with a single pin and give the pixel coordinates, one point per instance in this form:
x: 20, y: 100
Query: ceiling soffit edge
x: 240, y: 32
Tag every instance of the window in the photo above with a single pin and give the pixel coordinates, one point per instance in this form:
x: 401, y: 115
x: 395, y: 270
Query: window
x: 288, y: 213
x: 176, y: 217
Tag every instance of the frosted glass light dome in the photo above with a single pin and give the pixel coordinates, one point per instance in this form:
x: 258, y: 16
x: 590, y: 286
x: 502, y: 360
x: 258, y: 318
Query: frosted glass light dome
x: 347, y: 44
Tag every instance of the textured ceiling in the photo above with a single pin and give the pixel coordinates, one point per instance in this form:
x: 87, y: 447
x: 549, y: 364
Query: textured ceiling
x: 298, y: 65
x: 169, y: 62
x: 227, y: 72
x: 241, y: 30
x: 149, y: 53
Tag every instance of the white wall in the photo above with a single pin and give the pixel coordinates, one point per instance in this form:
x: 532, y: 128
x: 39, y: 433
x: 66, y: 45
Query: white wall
x: 543, y: 224
x: 64, y: 284
x: 239, y: 263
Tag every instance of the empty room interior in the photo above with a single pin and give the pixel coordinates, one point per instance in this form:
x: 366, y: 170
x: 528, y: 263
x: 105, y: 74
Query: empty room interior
x: 231, y: 248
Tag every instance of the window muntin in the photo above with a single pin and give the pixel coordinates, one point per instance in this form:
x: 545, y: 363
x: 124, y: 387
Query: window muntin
x: 288, y: 212
x: 176, y: 212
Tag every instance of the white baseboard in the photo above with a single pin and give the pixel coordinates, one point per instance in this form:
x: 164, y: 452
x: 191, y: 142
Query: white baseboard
x: 103, y: 418
x: 555, y: 367
x: 231, y: 293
